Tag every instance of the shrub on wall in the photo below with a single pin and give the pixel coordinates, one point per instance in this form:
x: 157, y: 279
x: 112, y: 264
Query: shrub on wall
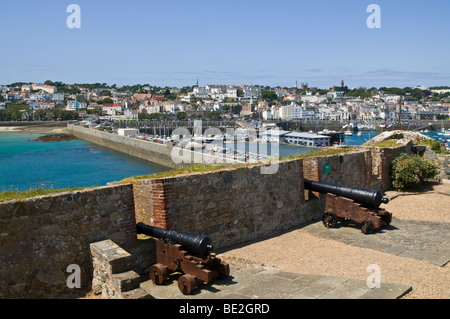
x: 410, y: 171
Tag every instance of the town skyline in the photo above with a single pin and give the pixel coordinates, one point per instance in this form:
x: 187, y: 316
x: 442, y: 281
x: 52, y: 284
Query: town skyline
x: 174, y: 42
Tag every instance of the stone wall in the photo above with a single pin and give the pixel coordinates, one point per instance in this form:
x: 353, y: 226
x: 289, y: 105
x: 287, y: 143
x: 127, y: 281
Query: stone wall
x: 365, y: 167
x: 443, y: 161
x: 41, y: 236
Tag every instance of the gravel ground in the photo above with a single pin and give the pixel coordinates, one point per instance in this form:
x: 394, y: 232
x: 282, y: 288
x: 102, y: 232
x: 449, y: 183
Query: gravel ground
x: 300, y: 252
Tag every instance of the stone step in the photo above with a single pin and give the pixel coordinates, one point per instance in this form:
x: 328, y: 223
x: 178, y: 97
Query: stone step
x: 126, y: 281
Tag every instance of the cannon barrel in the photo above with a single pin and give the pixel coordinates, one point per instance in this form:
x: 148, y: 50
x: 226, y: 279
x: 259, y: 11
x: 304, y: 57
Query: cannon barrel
x: 200, y: 245
x: 372, y: 198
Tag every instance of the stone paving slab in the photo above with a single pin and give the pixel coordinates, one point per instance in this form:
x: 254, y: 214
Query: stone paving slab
x: 254, y: 283
x: 420, y: 240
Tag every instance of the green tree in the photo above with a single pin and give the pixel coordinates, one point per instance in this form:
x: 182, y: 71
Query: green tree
x: 267, y: 95
x: 213, y: 115
x: 181, y: 115
x: 105, y: 92
x: 107, y: 100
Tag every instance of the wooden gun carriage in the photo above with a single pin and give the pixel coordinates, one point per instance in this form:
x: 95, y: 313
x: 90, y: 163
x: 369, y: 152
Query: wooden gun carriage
x: 357, y: 204
x: 180, y: 252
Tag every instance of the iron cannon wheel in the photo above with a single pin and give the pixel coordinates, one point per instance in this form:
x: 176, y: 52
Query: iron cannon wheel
x: 329, y: 220
x: 186, y: 284
x: 367, y: 227
x: 158, y: 274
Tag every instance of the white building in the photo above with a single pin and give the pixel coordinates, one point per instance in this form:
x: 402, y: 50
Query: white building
x: 285, y: 112
x: 112, y: 109
x: 149, y: 109
x: 441, y: 91
x: 71, y: 105
x: 267, y: 115
x: 130, y: 114
x: 127, y: 131
x: 274, y: 135
x: 307, y: 139
x: 201, y: 92
x: 334, y: 94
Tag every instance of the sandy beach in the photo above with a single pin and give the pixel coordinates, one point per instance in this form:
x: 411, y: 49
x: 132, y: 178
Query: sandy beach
x: 33, y: 129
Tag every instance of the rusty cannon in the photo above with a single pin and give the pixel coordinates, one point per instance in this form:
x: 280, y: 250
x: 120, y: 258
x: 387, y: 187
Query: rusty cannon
x: 180, y: 252
x: 352, y: 203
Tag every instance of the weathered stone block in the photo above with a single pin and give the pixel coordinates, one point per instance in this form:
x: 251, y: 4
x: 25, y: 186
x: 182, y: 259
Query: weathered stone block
x: 111, y: 254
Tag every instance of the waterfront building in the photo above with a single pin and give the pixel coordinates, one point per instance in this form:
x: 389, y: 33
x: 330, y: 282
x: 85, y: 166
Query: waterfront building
x: 274, y: 135
x: 127, y: 131
x: 307, y: 139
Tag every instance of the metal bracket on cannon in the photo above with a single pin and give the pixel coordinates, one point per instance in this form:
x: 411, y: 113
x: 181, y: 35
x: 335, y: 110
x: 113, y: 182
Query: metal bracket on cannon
x: 357, y: 204
x: 179, y: 252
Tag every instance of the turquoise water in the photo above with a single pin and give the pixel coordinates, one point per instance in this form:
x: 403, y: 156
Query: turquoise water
x: 367, y: 135
x: 359, y: 140
x: 25, y: 164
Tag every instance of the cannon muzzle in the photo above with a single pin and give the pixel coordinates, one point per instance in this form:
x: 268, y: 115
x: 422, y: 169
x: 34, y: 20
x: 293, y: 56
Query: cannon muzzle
x: 372, y: 198
x: 200, y: 245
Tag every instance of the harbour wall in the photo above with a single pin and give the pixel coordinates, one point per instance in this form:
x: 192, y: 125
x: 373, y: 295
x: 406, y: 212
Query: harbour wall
x: 41, y: 236
x: 161, y: 154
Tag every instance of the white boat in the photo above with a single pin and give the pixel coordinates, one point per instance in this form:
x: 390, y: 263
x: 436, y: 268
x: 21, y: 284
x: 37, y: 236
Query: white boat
x: 348, y: 133
x: 359, y: 133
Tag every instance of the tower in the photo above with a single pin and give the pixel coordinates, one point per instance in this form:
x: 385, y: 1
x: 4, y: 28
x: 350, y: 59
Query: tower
x: 342, y: 83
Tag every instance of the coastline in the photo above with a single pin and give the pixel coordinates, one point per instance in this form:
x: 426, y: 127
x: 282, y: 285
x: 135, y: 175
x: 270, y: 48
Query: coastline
x: 35, y: 129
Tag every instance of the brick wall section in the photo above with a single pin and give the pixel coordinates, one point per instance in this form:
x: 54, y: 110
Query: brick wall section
x: 162, y: 198
x: 312, y: 172
x: 42, y: 236
x: 381, y: 162
x: 152, y: 200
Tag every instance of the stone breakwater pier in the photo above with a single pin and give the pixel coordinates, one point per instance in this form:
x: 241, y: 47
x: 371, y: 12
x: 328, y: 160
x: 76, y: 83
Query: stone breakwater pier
x: 162, y: 154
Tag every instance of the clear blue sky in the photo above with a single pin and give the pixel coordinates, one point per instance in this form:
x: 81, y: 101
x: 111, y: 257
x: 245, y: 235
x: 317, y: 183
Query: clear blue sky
x: 174, y: 42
